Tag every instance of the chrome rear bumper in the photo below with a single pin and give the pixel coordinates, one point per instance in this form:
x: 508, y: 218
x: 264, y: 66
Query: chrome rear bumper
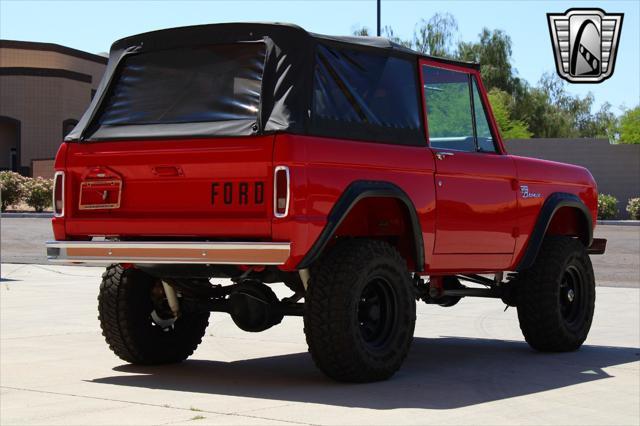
x: 221, y: 253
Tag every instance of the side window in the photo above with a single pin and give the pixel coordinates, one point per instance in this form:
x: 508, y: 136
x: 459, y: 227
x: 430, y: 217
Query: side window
x: 483, y: 129
x: 448, y: 105
x: 366, y: 96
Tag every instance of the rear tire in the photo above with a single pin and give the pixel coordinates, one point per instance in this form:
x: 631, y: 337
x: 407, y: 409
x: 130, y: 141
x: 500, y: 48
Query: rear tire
x: 125, y: 307
x: 360, y: 311
x: 556, y: 296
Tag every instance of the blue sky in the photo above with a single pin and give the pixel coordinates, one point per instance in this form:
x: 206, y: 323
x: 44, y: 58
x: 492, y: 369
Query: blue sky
x: 94, y: 25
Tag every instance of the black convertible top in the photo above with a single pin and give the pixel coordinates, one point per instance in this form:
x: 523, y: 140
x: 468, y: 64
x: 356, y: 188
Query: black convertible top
x: 249, y: 28
x: 285, y: 83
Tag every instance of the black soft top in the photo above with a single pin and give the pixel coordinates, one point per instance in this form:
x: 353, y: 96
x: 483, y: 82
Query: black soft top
x: 189, y: 35
x: 286, y: 83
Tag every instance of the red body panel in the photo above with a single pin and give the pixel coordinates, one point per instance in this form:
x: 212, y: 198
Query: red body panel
x: 470, y: 206
x: 158, y: 203
x: 322, y: 168
x: 546, y: 177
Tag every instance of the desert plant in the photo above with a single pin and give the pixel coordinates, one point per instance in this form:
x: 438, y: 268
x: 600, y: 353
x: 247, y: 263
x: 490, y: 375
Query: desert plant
x: 11, y: 188
x: 607, y: 206
x: 38, y: 193
x: 633, y: 208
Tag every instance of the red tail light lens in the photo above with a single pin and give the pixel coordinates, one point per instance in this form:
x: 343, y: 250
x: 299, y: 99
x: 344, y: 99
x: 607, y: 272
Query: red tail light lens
x: 281, y: 191
x: 58, y: 194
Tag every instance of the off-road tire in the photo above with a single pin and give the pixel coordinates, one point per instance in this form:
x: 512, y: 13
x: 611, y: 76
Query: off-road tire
x: 334, y: 330
x: 548, y: 320
x: 125, y: 306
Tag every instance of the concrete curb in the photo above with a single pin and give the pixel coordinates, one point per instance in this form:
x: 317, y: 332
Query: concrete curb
x: 620, y: 222
x: 43, y: 215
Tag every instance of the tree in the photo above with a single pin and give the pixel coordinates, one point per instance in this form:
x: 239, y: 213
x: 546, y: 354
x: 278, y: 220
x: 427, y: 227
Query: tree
x: 432, y: 37
x: 630, y: 126
x: 387, y: 32
x: 493, y: 52
x: 575, y: 110
x: 435, y: 36
x: 602, y: 124
x: 545, y: 110
x: 502, y: 104
x: 551, y: 112
x: 362, y: 31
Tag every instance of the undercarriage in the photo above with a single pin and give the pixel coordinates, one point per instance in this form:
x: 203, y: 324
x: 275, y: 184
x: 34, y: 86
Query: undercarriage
x: 254, y: 306
x: 358, y: 304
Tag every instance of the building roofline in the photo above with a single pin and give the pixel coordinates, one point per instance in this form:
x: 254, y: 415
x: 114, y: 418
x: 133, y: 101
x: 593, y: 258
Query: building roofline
x: 46, y: 72
x: 52, y: 47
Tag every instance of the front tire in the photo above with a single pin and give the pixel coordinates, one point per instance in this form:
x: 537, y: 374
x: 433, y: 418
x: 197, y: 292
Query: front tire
x: 132, y: 330
x: 360, y: 311
x: 557, y: 296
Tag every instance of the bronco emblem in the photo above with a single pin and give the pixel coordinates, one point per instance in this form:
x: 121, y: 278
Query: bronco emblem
x: 585, y: 43
x: 524, y: 190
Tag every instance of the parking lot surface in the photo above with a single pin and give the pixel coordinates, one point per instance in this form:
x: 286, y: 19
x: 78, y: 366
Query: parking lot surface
x: 23, y: 239
x: 468, y: 365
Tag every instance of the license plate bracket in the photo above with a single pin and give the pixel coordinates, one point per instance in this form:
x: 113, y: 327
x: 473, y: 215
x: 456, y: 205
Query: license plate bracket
x: 100, y: 194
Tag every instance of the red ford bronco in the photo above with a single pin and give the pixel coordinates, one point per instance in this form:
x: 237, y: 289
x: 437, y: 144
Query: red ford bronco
x: 363, y: 175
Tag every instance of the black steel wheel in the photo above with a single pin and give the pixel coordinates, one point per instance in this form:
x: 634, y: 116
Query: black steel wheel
x: 377, y: 312
x: 360, y: 311
x: 571, y: 295
x: 556, y: 296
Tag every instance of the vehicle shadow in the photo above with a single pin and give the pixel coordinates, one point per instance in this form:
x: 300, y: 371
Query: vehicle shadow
x: 440, y: 373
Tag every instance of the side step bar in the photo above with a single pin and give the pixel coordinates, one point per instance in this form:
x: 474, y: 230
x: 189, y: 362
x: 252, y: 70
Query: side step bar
x: 151, y: 252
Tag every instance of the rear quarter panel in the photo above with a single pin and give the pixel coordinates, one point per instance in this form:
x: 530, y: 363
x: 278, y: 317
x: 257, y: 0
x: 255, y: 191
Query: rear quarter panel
x: 322, y: 168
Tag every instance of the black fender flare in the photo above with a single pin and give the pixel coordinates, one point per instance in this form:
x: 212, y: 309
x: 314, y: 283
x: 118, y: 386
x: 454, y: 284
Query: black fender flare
x: 552, y: 204
x: 355, y: 192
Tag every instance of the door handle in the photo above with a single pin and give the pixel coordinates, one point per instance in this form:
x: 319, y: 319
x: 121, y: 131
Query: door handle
x: 441, y: 155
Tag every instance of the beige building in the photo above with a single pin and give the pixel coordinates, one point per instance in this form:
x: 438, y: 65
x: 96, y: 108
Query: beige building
x: 44, y: 90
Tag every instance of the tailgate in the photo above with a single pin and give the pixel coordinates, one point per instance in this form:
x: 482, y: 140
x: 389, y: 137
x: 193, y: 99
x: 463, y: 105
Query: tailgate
x: 200, y: 188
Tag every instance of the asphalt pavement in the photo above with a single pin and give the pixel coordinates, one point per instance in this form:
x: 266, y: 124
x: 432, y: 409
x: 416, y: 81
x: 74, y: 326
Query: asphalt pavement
x: 22, y: 241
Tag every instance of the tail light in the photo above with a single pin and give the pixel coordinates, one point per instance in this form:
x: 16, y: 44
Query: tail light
x: 281, y: 191
x: 58, y: 194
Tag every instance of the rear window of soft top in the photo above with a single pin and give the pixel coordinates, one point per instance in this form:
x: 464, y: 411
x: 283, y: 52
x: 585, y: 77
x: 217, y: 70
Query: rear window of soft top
x: 189, y: 85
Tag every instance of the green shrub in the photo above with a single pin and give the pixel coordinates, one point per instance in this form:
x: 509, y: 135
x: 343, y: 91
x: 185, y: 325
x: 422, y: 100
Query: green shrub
x: 39, y: 193
x: 633, y: 208
x: 11, y: 188
x: 607, y: 206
